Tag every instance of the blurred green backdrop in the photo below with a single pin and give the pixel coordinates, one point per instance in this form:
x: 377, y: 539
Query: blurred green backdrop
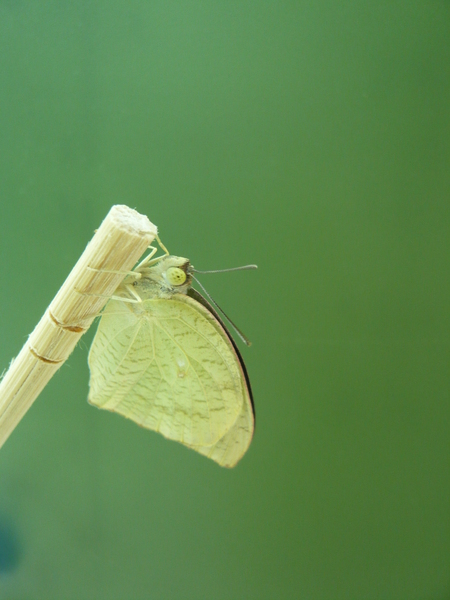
x: 312, y: 138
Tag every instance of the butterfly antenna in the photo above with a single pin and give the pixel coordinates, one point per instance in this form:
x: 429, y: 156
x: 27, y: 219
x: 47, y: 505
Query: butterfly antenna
x: 246, y: 341
x: 244, y: 268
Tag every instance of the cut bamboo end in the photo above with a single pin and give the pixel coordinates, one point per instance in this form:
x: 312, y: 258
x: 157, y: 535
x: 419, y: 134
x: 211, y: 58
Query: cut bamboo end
x: 115, y: 248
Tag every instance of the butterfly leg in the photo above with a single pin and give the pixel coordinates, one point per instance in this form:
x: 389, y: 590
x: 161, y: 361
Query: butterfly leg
x: 130, y: 289
x: 147, y: 261
x: 162, y: 245
x: 127, y: 273
x: 136, y: 298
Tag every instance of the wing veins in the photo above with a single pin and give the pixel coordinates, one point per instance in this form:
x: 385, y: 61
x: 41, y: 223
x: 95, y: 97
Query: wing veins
x: 206, y: 340
x: 110, y: 340
x: 158, y: 324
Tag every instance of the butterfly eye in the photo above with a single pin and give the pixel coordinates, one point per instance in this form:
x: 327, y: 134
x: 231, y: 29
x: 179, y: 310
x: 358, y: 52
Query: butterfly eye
x: 175, y: 276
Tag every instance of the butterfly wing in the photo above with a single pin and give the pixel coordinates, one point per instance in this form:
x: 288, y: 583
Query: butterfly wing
x: 167, y: 365
x: 234, y: 444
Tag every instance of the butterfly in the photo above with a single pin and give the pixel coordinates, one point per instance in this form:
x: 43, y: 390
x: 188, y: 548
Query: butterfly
x: 163, y: 358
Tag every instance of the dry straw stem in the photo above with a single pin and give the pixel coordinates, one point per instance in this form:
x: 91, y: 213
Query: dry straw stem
x: 121, y: 239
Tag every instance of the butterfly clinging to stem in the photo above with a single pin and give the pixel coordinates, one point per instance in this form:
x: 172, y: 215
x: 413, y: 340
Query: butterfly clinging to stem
x: 163, y: 357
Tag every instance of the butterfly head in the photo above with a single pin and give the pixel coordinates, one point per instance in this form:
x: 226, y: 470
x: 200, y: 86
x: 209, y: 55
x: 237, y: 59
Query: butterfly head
x: 176, y: 272
x: 170, y: 275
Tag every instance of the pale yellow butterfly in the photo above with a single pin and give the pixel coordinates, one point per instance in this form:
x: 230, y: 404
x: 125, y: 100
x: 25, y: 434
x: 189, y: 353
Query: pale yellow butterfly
x: 163, y: 358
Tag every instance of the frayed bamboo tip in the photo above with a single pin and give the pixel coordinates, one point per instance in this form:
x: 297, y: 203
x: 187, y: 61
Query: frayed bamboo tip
x: 121, y: 239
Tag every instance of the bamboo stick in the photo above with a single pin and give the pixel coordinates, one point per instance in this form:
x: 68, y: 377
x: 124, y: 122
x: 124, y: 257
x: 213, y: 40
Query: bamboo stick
x: 121, y: 239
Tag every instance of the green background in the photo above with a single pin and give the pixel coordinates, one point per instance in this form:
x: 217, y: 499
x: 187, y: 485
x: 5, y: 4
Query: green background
x: 312, y: 138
